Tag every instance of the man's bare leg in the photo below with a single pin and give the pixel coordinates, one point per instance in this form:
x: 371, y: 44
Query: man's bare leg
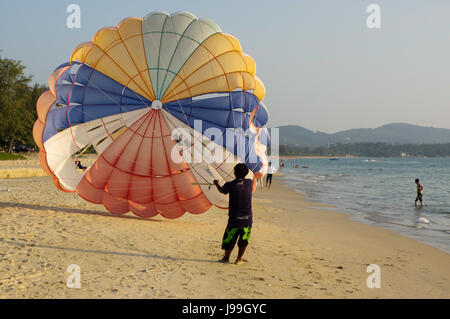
x: 226, y: 257
x: 240, y: 254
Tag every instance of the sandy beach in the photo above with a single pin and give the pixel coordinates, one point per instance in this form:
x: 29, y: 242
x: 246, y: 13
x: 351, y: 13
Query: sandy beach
x: 295, y: 251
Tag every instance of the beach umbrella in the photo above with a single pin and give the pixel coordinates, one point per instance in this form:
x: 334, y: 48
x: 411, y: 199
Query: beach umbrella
x: 163, y: 106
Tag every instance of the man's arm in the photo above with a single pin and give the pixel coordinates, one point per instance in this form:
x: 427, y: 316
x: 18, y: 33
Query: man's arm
x: 221, y: 189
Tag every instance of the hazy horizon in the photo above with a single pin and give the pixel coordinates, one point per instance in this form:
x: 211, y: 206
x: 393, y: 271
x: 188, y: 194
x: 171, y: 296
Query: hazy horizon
x: 356, y: 128
x: 322, y: 67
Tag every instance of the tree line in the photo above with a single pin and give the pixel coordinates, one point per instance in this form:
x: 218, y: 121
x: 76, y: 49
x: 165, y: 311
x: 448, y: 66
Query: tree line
x: 369, y: 150
x: 18, y: 97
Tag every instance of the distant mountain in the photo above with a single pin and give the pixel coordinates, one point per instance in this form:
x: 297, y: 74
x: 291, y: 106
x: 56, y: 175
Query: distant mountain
x: 395, y: 133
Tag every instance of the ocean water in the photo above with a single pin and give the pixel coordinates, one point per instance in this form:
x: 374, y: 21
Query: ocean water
x: 381, y: 192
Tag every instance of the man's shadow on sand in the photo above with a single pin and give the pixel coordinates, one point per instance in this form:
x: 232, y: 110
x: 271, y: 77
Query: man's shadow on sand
x: 90, y: 212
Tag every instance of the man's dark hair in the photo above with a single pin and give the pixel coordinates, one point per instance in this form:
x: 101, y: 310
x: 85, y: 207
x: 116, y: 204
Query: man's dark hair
x: 240, y: 170
x: 417, y: 180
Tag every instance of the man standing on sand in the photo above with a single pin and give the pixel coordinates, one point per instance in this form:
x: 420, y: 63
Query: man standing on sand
x: 269, y: 173
x: 419, y: 193
x: 240, y: 216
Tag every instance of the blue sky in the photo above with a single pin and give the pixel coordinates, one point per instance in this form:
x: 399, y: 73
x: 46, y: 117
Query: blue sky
x: 322, y: 67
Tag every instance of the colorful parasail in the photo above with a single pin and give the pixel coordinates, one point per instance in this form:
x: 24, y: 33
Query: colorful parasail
x: 123, y: 97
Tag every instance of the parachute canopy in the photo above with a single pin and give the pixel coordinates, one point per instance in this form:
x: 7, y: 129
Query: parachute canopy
x: 147, y: 97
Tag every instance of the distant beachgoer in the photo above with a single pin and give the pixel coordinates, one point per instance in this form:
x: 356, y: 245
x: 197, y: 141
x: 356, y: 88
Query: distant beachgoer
x: 270, y: 171
x: 79, y: 165
x: 260, y: 182
x: 240, y: 216
x: 419, y: 193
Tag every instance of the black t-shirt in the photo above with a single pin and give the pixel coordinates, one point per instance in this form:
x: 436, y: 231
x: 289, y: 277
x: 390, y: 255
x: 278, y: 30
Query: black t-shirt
x: 240, y: 203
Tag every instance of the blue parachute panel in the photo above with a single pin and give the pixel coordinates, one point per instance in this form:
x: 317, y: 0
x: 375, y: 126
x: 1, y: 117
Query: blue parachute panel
x: 84, y: 94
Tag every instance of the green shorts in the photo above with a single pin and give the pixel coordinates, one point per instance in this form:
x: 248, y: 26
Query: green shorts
x: 231, y: 235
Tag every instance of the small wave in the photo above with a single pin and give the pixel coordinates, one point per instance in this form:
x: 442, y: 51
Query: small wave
x: 424, y: 220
